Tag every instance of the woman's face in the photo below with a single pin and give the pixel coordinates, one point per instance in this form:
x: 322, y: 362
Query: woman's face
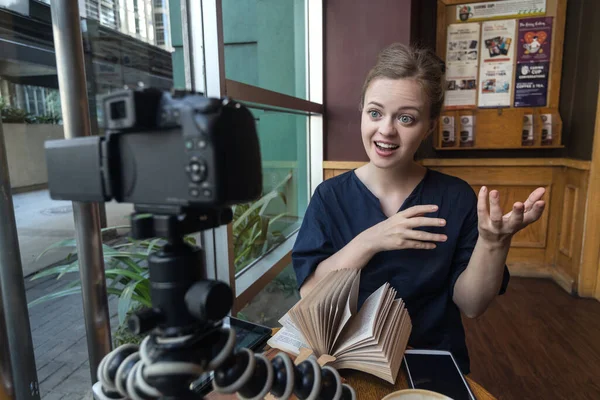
x: 395, y: 119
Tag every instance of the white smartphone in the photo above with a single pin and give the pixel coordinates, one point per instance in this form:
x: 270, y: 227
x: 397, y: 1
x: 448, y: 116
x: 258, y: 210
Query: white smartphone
x: 436, y: 370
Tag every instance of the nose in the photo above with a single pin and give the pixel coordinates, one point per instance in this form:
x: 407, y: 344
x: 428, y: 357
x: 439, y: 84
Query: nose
x: 386, y: 127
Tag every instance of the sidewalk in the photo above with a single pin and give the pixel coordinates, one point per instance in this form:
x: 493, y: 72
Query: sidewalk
x: 42, y: 221
x: 57, y: 326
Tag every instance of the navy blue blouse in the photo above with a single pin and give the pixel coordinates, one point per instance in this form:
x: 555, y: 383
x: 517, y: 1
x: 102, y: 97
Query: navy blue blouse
x: 342, y: 207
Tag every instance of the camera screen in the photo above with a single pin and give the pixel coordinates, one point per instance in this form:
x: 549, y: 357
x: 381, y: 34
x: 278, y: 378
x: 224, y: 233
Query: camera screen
x: 117, y: 110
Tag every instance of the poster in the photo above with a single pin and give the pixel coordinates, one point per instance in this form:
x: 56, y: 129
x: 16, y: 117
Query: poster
x: 531, y: 84
x: 462, y: 60
x: 496, y: 63
x: 500, y: 9
x: 535, y: 39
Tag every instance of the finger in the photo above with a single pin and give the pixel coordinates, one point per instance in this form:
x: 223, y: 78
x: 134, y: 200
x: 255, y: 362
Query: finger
x: 535, y: 213
x: 418, y: 210
x: 533, y: 197
x: 482, y: 209
x: 495, y: 210
x: 517, y: 214
x: 424, y: 236
x: 415, y: 244
x: 416, y: 222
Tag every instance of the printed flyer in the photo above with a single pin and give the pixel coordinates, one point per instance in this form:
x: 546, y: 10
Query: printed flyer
x: 462, y: 60
x: 535, y: 37
x: 531, y: 85
x: 500, y: 9
x: 496, y: 63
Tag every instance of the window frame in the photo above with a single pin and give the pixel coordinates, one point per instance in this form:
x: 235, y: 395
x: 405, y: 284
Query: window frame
x: 205, y: 72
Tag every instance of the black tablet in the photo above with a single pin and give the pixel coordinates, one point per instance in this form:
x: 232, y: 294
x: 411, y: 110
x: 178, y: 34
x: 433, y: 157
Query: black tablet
x: 437, y: 371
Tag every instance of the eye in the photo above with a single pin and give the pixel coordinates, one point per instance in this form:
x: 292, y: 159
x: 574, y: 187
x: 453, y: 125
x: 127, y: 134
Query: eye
x: 406, y: 119
x: 374, y: 114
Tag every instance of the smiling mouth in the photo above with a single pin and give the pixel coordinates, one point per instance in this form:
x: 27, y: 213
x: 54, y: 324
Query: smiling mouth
x: 386, y: 146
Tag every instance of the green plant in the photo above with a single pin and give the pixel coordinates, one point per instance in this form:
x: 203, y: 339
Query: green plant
x: 126, y: 269
x: 126, y: 272
x: 252, y: 233
x: 49, y: 118
x: 14, y: 115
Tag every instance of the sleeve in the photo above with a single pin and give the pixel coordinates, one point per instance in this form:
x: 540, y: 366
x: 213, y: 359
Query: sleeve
x: 469, y: 233
x: 313, y: 244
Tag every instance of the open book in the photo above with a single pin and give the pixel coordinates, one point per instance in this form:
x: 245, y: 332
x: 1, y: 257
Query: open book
x: 371, y: 340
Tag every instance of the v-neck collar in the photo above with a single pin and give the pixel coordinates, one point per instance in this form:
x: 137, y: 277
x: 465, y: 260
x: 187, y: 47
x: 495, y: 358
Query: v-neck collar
x: 415, y: 192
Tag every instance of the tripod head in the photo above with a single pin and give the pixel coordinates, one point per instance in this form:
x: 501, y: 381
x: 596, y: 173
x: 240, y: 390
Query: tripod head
x: 183, y: 300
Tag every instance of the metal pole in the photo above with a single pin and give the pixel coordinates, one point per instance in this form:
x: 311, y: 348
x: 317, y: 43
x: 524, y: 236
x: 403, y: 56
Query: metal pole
x: 68, y: 45
x: 13, y: 301
x: 7, y: 389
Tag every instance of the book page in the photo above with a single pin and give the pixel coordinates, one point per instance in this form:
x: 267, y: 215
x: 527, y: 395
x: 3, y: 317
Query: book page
x: 362, y: 326
x: 349, y: 307
x: 328, y: 311
x: 286, y: 341
x: 379, y: 323
x: 375, y: 350
x: 305, y: 313
x: 288, y: 324
x: 337, y: 301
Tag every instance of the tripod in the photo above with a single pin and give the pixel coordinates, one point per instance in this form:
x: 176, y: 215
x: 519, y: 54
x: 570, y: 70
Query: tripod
x: 186, y: 338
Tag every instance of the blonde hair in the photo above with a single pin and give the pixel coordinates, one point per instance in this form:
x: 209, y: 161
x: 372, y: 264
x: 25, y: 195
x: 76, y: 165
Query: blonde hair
x: 399, y: 61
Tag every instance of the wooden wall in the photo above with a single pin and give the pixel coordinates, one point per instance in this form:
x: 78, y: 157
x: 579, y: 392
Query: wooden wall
x: 550, y: 248
x: 355, y: 32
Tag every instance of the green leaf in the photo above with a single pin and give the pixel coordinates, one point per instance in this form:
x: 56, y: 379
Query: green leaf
x: 152, y: 245
x: 55, y: 295
x: 61, y: 269
x: 125, y: 301
x: 125, y: 272
x: 130, y: 264
x: 259, y: 204
x: 115, y: 227
x: 62, y: 243
x: 73, y: 267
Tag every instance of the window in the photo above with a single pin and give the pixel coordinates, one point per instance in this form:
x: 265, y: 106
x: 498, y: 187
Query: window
x: 266, y: 54
x: 264, y: 44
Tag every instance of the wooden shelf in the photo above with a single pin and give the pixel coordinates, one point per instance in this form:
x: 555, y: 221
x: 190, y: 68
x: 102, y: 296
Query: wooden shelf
x: 501, y: 148
x: 503, y: 128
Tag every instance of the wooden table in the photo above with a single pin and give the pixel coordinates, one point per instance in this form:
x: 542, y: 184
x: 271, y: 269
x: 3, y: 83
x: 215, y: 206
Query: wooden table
x: 367, y: 386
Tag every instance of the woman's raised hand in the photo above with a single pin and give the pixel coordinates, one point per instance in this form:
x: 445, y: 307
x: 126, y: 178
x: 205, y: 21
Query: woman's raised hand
x: 498, y: 229
x: 398, y: 231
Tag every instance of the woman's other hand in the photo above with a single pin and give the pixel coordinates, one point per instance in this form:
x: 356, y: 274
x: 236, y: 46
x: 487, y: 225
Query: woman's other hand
x: 398, y: 231
x: 498, y: 229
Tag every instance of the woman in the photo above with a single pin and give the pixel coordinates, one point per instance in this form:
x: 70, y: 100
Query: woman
x: 426, y: 233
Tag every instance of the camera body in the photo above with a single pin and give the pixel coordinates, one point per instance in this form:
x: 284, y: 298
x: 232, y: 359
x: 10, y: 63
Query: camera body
x: 162, y: 150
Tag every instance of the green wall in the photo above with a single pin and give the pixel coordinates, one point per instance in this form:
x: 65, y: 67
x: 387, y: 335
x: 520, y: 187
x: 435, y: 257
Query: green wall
x: 264, y: 45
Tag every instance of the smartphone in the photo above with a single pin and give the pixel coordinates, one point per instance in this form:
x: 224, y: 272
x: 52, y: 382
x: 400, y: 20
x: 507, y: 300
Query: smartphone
x: 436, y: 370
x: 247, y: 334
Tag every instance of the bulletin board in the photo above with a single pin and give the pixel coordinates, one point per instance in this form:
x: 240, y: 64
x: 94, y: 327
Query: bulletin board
x: 503, y: 69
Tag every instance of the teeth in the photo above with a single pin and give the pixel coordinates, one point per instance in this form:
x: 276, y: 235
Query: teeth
x: 386, y: 145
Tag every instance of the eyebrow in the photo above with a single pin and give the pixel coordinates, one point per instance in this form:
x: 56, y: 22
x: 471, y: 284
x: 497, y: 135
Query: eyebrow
x: 401, y: 108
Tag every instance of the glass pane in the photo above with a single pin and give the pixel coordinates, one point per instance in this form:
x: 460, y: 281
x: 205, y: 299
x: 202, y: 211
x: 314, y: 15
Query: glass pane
x: 260, y: 226
x: 264, y: 44
x: 271, y: 303
x: 126, y: 43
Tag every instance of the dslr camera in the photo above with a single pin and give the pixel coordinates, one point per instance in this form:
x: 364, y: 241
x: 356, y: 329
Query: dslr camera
x: 162, y: 151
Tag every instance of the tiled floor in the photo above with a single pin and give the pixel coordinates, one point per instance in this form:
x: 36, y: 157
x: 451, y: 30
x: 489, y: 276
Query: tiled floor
x: 59, y: 340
